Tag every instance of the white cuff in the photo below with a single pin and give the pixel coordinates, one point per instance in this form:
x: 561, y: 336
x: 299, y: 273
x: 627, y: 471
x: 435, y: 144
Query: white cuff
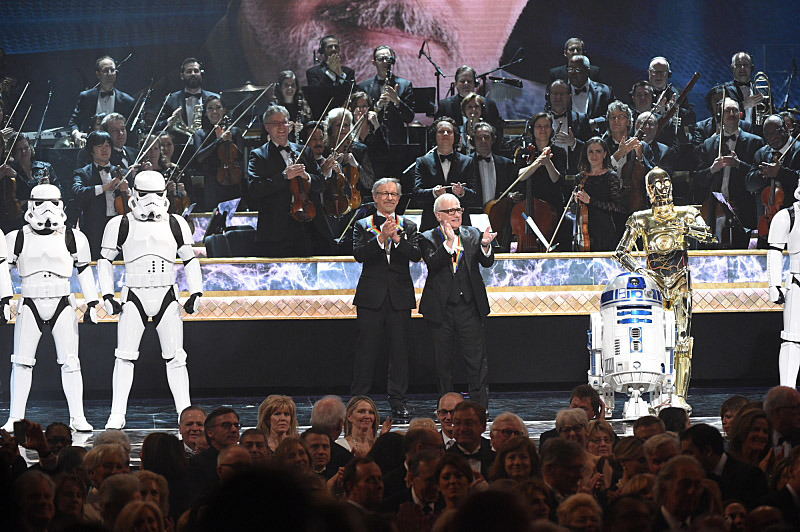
x: 98, y: 189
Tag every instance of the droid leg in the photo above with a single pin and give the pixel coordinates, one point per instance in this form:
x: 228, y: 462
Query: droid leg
x: 170, y: 333
x: 789, y: 357
x: 27, y: 332
x: 682, y: 305
x: 129, y: 331
x: 65, y: 335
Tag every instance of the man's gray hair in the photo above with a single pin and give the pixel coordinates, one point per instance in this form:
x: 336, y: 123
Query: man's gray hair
x: 273, y: 109
x: 113, y: 436
x: 328, y: 413
x: 667, y: 474
x: 569, y: 417
x: 618, y: 107
x: 777, y: 397
x: 560, y: 451
x: 441, y: 198
x: 118, y: 488
x: 659, y: 59
x: 660, y: 440
x: 385, y: 181
x: 512, y: 418
x: 582, y: 58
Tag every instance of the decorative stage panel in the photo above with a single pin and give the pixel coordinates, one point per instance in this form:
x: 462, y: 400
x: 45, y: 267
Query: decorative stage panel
x: 518, y: 285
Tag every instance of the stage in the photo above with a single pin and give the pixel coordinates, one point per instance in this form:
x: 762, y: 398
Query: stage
x: 265, y: 326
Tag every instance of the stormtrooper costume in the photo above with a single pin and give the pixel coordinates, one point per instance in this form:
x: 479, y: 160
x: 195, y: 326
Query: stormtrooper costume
x: 149, y: 239
x: 44, y: 252
x: 785, y: 234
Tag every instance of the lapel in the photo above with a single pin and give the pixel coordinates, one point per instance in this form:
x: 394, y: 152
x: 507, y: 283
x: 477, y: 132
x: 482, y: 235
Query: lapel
x: 590, y: 100
x: 438, y: 171
x: 94, y: 95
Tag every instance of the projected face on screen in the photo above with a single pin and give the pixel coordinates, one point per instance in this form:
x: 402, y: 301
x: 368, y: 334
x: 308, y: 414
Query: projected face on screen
x: 455, y: 32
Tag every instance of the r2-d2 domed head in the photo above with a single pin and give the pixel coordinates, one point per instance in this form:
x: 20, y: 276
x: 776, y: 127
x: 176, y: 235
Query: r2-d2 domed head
x: 149, y: 198
x: 45, y: 208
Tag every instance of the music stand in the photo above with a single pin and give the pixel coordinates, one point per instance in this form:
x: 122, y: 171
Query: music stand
x: 425, y: 100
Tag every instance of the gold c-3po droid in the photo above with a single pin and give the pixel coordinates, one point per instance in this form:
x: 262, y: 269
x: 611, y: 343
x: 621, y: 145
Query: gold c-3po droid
x: 664, y: 230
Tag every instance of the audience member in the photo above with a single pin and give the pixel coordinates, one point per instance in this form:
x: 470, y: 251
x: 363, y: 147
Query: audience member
x: 736, y: 514
x: 221, y: 431
x: 33, y: 494
x: 319, y: 445
x: 782, y: 405
x: 277, y: 418
x: 563, y: 462
x: 230, y: 461
x: 444, y: 413
x: 648, y: 426
x: 421, y: 489
x: 491, y: 511
x: 629, y: 453
x: 101, y: 463
x: 469, y: 423
x: 675, y: 419
x: 255, y: 442
x: 363, y: 484
x: 749, y: 438
x: 729, y: 409
x: 516, y: 459
x: 659, y: 449
x: 293, y: 454
x: 787, y: 500
x: 627, y: 514
x: 190, y: 426
x: 580, y: 512
x: 587, y: 399
x: 115, y: 493
x: 328, y: 414
x: 453, y: 476
x: 414, y: 441
x: 138, y: 516
x: 360, y: 425
x: 154, y: 488
x: 677, y: 491
x: 69, y: 498
x: 504, y: 427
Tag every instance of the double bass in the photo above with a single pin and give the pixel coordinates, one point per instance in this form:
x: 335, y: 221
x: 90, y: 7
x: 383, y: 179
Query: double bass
x: 539, y: 210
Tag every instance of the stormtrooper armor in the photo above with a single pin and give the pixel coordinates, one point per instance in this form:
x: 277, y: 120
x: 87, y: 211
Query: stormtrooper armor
x: 784, y: 234
x: 150, y: 240
x: 45, y: 252
x: 631, y: 346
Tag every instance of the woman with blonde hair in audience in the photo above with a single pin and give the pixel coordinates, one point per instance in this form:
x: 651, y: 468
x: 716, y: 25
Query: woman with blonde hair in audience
x: 138, y: 516
x: 642, y: 486
x: 537, y: 496
x: 516, y: 459
x: 277, y: 417
x: 750, y: 436
x: 599, y: 443
x: 360, y: 425
x: 629, y: 454
x: 580, y: 512
x: 154, y: 488
x: 69, y: 498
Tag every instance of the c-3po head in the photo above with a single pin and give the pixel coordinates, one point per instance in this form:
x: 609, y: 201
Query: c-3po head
x: 659, y: 187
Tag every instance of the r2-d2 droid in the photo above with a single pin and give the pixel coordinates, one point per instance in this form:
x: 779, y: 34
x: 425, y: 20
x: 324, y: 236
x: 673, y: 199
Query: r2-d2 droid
x: 631, y: 346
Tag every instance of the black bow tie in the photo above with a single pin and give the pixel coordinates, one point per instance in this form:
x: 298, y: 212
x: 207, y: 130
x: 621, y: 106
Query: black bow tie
x: 584, y: 89
x: 449, y: 157
x: 104, y: 94
x: 188, y: 95
x: 286, y: 148
x: 730, y: 137
x: 457, y: 231
x: 104, y: 168
x: 741, y: 83
x: 562, y: 115
x: 481, y: 158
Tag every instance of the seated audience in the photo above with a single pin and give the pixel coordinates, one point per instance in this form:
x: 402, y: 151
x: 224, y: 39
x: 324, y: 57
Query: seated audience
x: 360, y: 425
x: 728, y: 410
x: 749, y: 437
x: 516, y: 459
x: 659, y: 449
x: 115, y: 493
x: 469, y: 423
x: 138, y: 516
x: 255, y: 442
x: 580, y: 512
x: 277, y: 418
x: 648, y: 426
x: 292, y: 453
x: 504, y: 427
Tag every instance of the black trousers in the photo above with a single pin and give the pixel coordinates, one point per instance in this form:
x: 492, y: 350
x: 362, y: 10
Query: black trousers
x: 384, y: 330
x: 461, y: 332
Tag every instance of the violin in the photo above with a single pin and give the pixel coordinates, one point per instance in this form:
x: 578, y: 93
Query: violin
x: 178, y: 200
x: 10, y: 204
x: 336, y: 201
x: 121, y: 197
x: 581, y: 236
x: 352, y: 176
x: 300, y: 208
x: 229, y: 172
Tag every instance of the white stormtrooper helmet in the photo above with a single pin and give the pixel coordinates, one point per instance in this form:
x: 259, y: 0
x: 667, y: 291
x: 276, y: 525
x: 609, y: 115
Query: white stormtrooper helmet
x: 149, y: 199
x: 45, y: 208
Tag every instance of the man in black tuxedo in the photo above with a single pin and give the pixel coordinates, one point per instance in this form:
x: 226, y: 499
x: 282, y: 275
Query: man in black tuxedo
x: 736, y: 480
x: 441, y: 169
x: 588, y: 96
x: 104, y: 98
x: 679, y: 493
x: 563, y: 462
x: 268, y: 173
x: 454, y: 300
x: 384, y: 243
x: 94, y: 187
x: 787, y: 500
x: 495, y: 173
x: 329, y: 72
x: 420, y: 496
x: 395, y: 99
x: 741, y: 87
x: 779, y: 159
x: 181, y: 105
x: 469, y: 423
x: 465, y: 83
x: 662, y: 155
x: 727, y: 174
x: 782, y: 405
x: 573, y: 46
x: 570, y: 128
x: 121, y: 155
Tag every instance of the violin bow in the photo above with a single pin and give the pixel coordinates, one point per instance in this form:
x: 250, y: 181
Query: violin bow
x: 17, y: 105
x: 316, y: 126
x: 8, y: 155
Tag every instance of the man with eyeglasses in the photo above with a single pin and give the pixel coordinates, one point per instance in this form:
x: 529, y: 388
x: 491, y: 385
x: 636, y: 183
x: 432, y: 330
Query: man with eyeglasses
x: 394, y: 96
x: 384, y: 243
x: 444, y: 413
x: 659, y: 449
x: 504, y: 427
x: 465, y: 83
x: 727, y: 174
x: 469, y: 423
x: 741, y: 88
x: 104, y: 98
x: 221, y: 431
x: 454, y: 301
x: 444, y: 170
x: 270, y: 169
x: 563, y: 462
x: 395, y: 482
x: 588, y: 96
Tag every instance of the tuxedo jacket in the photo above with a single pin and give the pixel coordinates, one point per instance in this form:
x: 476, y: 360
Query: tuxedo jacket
x: 783, y: 501
x: 579, y: 122
x: 396, y: 116
x: 440, y: 278
x: 176, y: 100
x: 452, y: 107
x: 92, y: 206
x: 743, y: 482
x: 663, y: 156
x: 268, y: 190
x: 379, y: 277
x: 316, y: 76
x: 560, y: 72
x: 485, y: 455
x: 746, y: 147
x: 707, y: 128
x: 505, y: 172
x: 428, y: 173
x: 787, y: 175
x: 600, y: 95
x: 86, y: 108
x: 734, y: 91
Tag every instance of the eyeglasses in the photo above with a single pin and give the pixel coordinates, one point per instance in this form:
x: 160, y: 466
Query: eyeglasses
x: 575, y: 428
x: 598, y: 441
x: 454, y: 210
x: 390, y: 195
x: 227, y: 425
x: 384, y: 59
x: 285, y: 123
x: 654, y: 71
x: 576, y: 69
x: 465, y: 423
x: 508, y: 432
x: 108, y: 70
x: 443, y: 412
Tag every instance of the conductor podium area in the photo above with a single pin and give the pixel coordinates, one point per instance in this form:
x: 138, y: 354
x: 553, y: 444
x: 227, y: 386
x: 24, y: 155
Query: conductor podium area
x: 288, y: 326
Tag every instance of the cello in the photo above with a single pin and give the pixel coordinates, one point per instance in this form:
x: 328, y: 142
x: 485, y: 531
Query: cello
x: 539, y: 210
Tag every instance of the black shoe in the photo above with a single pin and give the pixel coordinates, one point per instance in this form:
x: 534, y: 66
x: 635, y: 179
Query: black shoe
x: 401, y: 412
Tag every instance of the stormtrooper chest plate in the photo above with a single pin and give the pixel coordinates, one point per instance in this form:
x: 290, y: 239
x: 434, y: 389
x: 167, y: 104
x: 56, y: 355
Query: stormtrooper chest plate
x: 44, y: 253
x: 149, y: 238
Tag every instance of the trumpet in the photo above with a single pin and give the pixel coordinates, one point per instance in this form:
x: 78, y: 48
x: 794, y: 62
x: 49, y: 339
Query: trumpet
x: 763, y: 109
x: 179, y: 126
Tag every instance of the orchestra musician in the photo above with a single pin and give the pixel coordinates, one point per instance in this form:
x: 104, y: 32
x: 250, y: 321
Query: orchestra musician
x: 270, y: 168
x: 727, y: 173
x: 5, y: 132
x: 741, y: 87
x: 312, y: 136
x: 156, y: 159
x: 574, y: 46
x: 290, y: 96
x: 218, y: 186
x: 182, y: 105
x: 544, y: 177
x: 105, y: 98
x: 121, y: 155
x: 394, y: 96
x: 600, y: 193
x: 338, y: 126
x: 441, y: 170
x: 495, y: 173
x: 679, y: 132
x: 10, y: 210
x: 371, y: 132
x: 329, y: 72
x: 473, y: 108
x: 93, y: 188
x: 588, y: 96
x: 466, y: 82
x: 31, y: 172
x: 663, y: 156
x: 570, y: 128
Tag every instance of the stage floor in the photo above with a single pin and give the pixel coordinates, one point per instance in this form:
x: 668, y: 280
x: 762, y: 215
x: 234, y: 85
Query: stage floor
x: 537, y: 409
